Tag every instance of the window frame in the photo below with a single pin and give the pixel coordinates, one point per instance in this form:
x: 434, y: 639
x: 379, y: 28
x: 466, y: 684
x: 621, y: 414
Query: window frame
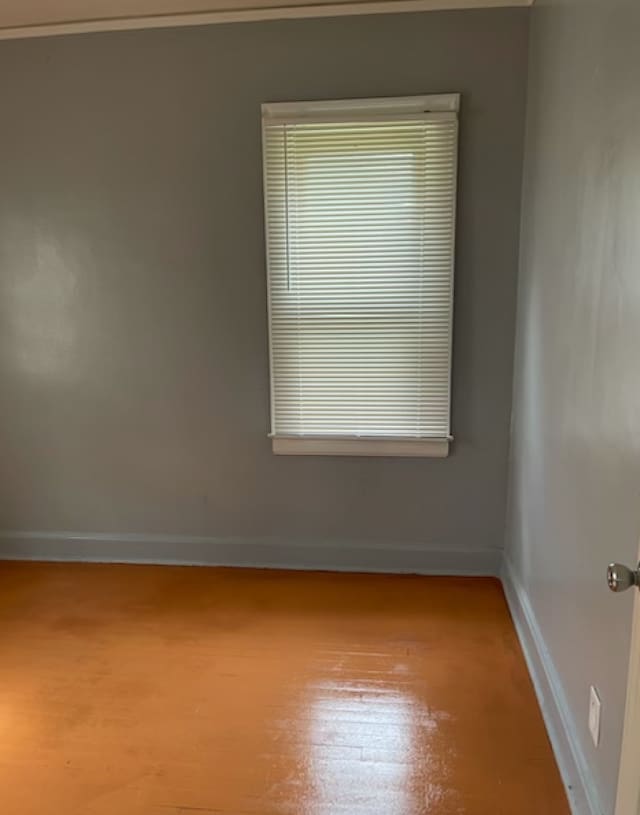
x: 353, y: 110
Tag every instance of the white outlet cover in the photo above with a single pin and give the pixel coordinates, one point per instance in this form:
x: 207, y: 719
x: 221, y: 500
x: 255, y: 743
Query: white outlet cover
x: 594, y: 715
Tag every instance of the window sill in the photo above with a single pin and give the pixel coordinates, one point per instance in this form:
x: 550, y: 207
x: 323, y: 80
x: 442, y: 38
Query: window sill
x: 299, y: 446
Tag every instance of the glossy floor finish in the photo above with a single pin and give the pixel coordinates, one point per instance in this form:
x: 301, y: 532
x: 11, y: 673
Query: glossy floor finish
x: 135, y: 690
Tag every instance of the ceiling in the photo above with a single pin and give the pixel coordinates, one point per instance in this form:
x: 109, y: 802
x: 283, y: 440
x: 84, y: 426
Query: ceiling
x: 29, y: 18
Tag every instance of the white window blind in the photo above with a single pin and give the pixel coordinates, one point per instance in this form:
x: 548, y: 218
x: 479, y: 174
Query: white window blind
x: 360, y: 223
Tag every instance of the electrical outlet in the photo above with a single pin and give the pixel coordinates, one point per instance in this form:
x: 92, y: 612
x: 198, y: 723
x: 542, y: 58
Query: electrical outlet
x: 594, y: 715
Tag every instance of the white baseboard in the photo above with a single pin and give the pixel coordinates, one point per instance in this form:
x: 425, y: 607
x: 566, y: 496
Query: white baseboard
x: 277, y: 553
x: 572, y: 764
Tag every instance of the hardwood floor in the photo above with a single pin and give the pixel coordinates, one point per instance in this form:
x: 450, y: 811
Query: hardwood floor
x: 136, y: 690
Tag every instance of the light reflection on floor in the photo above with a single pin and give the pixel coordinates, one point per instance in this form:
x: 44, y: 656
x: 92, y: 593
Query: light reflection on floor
x: 369, y: 749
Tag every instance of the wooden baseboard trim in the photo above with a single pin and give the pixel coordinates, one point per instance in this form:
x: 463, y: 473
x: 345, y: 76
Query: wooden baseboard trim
x: 581, y: 792
x: 332, y: 555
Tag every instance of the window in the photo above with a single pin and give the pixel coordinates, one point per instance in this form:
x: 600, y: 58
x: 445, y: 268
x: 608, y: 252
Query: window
x: 360, y: 223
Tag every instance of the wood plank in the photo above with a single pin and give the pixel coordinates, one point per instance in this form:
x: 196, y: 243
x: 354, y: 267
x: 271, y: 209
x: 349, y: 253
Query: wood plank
x: 148, y: 690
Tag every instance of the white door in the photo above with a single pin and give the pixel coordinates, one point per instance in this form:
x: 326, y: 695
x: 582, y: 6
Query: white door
x: 628, y: 800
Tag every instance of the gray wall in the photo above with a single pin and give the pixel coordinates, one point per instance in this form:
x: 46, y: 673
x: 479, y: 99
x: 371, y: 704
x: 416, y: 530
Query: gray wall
x: 133, y: 345
x: 576, y: 444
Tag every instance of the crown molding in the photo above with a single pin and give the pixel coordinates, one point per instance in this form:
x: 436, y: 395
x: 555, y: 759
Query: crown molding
x: 275, y: 11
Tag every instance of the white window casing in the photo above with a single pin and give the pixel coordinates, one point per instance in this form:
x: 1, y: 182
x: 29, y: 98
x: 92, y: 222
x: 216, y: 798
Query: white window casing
x: 360, y: 205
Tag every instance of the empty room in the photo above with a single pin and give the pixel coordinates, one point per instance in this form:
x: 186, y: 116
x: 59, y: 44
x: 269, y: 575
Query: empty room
x: 319, y: 407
